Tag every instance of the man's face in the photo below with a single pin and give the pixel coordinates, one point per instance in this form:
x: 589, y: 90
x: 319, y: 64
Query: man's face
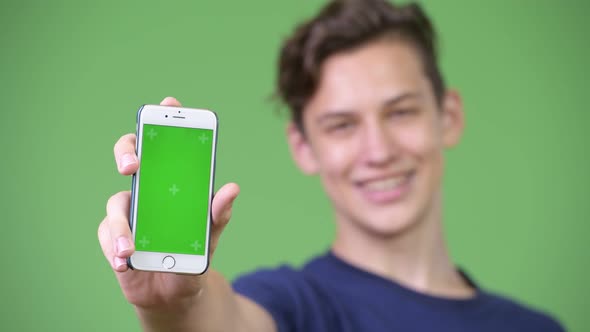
x: 375, y: 135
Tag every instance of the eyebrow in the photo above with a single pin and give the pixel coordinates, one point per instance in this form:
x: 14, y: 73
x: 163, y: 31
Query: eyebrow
x: 388, y: 103
x: 398, y: 99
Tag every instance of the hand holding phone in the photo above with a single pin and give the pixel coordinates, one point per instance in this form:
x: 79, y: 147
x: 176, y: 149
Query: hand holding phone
x: 173, y: 188
x: 148, y: 289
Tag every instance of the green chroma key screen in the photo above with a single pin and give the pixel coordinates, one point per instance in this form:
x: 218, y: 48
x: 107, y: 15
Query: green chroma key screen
x: 175, y: 171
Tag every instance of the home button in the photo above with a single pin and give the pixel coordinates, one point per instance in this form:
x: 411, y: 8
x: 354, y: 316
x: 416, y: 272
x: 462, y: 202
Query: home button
x: 168, y: 262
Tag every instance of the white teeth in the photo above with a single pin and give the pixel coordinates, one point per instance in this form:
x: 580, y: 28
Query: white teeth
x: 386, y: 184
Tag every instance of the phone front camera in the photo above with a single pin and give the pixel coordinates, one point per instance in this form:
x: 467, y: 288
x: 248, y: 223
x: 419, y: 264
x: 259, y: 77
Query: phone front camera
x: 166, y: 115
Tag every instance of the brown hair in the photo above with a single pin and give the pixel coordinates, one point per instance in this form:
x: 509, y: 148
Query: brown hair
x: 343, y: 25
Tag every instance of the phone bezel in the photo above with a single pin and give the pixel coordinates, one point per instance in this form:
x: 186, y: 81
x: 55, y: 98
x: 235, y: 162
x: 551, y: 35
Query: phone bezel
x: 175, y: 117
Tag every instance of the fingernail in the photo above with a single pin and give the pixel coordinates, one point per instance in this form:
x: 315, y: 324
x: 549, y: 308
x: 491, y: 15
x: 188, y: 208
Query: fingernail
x: 127, y: 159
x: 119, y: 262
x: 123, y: 245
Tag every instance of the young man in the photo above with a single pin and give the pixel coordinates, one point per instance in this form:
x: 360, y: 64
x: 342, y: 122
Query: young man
x: 371, y: 116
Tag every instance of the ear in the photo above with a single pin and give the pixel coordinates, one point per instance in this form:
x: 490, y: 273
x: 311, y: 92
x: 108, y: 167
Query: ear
x: 453, y: 118
x: 301, y: 150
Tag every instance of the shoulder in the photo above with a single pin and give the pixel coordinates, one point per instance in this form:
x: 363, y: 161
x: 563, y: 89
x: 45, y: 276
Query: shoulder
x: 282, y: 279
x: 284, y: 292
x: 276, y: 280
x: 527, y: 318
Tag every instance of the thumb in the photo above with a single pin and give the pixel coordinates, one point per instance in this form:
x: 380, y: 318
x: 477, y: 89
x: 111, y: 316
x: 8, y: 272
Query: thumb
x: 170, y: 101
x: 221, y: 211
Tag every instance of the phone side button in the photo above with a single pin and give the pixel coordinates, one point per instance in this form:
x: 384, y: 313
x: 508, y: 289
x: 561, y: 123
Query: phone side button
x: 168, y: 262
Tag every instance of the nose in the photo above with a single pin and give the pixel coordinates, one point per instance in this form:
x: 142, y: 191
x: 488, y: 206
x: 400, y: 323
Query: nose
x: 379, y: 148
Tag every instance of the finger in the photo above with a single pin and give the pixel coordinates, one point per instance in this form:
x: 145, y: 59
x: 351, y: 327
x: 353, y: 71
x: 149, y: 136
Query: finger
x: 127, y: 162
x: 170, y: 101
x: 125, y: 156
x: 221, y: 210
x: 118, y: 224
x: 104, y: 238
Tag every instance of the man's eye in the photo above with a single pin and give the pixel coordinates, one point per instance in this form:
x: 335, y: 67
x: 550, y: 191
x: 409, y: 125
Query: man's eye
x: 401, y: 112
x: 340, y: 126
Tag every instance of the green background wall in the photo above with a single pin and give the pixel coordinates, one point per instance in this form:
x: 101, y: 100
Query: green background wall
x: 72, y: 75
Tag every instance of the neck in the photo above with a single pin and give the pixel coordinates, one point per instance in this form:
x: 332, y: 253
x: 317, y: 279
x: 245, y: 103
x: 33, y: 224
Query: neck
x: 415, y: 257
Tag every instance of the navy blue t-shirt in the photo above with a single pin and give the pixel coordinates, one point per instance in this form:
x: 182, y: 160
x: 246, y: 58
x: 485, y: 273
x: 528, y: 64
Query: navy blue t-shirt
x: 330, y: 295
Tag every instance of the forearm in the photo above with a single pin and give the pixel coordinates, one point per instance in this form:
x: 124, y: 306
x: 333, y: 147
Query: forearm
x: 213, y: 308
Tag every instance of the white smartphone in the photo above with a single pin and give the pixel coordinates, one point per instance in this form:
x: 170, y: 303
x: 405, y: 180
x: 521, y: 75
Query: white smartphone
x: 170, y: 215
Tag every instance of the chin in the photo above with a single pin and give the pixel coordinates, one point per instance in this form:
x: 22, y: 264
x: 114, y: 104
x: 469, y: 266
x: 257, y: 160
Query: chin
x: 386, y: 225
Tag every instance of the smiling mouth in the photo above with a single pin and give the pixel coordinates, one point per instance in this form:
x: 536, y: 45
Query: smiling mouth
x: 385, y: 184
x: 386, y: 189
